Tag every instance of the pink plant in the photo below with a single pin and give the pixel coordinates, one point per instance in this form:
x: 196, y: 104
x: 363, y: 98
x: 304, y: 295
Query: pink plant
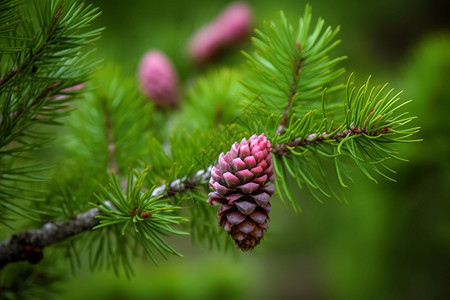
x: 158, y: 79
x: 242, y: 185
x: 232, y: 26
x: 235, y: 23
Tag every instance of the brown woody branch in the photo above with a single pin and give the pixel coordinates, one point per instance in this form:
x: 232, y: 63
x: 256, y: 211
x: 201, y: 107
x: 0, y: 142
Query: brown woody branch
x: 292, y: 92
x: 29, y: 245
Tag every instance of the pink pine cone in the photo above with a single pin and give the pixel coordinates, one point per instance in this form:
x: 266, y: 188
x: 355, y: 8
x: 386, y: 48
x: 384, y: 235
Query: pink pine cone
x: 232, y: 26
x: 158, y: 79
x: 241, y: 181
x: 235, y: 23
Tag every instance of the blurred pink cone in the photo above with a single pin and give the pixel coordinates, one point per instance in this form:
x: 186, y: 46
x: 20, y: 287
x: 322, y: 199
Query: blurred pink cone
x: 232, y: 26
x: 158, y: 79
x: 235, y: 23
x: 204, y: 45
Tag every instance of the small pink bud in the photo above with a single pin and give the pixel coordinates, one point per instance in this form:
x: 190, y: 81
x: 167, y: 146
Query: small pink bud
x: 158, y: 79
x: 232, y: 26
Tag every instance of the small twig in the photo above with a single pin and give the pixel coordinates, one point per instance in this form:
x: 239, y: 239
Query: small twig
x: 10, y: 74
x: 112, y: 164
x: 292, y: 92
x: 180, y: 185
x: 282, y: 149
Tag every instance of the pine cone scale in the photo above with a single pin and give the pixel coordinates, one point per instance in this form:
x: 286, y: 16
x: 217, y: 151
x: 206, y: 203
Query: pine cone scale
x: 235, y: 217
x: 245, y: 207
x: 262, y: 199
x: 259, y: 216
x: 248, y: 188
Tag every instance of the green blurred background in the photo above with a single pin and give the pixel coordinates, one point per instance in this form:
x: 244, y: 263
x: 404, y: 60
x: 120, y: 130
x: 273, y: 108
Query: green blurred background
x: 393, y: 239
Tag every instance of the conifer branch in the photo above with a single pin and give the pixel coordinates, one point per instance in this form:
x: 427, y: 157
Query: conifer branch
x: 29, y: 245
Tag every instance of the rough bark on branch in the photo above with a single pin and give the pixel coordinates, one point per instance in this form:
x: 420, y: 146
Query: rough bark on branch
x: 28, y: 245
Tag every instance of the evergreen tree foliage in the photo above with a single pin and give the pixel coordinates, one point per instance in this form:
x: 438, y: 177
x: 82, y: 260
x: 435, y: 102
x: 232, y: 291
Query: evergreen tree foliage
x: 142, y: 174
x: 39, y: 62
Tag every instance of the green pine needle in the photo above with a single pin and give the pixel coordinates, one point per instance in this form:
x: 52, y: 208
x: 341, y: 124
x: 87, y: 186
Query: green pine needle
x: 137, y: 215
